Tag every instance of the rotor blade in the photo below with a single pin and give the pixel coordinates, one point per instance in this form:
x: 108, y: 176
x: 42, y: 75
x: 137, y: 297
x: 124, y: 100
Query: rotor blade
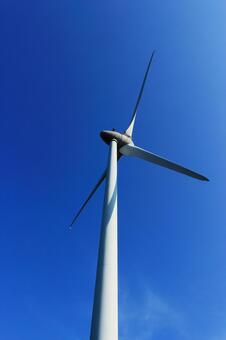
x: 129, y: 130
x: 89, y: 197
x: 134, y: 151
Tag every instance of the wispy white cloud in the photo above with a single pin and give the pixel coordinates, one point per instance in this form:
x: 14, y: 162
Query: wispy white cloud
x: 145, y: 314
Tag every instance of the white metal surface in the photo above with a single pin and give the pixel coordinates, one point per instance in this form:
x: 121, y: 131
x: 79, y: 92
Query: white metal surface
x: 134, y: 151
x: 105, y: 309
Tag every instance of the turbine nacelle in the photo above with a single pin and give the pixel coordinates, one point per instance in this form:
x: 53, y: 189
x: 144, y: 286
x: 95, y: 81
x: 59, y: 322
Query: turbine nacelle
x: 121, y: 138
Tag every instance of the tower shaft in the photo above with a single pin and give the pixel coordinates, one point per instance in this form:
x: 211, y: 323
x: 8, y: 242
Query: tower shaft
x: 105, y: 308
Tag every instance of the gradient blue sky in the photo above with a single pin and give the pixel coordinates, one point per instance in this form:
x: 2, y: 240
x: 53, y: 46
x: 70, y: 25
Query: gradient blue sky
x: 68, y: 70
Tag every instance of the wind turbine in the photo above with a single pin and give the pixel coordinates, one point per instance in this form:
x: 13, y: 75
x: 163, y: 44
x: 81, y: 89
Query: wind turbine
x: 104, y: 324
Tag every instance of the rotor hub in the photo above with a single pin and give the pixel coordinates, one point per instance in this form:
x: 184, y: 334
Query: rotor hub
x: 121, y: 138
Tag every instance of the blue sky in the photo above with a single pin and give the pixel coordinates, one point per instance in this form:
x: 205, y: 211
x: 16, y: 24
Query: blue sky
x: 68, y: 70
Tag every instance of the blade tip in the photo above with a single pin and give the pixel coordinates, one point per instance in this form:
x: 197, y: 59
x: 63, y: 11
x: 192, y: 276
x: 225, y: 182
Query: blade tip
x: 205, y: 179
x: 153, y: 53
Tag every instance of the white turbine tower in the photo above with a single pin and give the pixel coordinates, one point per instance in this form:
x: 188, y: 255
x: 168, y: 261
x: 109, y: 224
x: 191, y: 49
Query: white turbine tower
x: 105, y: 308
